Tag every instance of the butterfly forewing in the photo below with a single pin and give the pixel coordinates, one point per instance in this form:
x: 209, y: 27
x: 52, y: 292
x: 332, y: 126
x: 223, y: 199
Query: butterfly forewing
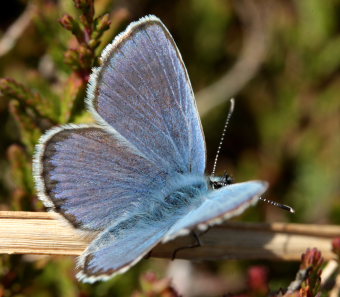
x: 218, y: 206
x: 144, y: 93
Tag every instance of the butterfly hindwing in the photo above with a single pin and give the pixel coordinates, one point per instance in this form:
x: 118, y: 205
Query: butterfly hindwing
x: 143, y: 92
x: 90, y: 177
x: 121, y: 246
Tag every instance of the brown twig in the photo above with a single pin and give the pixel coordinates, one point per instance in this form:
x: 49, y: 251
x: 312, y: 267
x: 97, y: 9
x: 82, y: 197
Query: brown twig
x: 43, y: 233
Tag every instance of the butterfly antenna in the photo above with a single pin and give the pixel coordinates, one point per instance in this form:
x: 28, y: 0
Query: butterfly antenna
x: 231, y: 110
x: 282, y: 206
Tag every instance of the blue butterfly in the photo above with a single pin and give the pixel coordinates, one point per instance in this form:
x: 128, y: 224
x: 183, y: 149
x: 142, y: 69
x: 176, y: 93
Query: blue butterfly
x: 136, y: 178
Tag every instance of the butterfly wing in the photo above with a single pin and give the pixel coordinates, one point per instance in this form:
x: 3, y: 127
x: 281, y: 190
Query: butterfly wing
x: 143, y: 98
x: 119, y: 247
x: 90, y: 177
x: 218, y: 206
x: 142, y: 91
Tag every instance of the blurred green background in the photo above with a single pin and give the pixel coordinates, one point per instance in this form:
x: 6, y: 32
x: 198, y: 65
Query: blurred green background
x: 280, y: 59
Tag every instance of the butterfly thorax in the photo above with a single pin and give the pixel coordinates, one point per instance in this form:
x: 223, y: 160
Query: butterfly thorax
x: 181, y: 195
x: 188, y: 191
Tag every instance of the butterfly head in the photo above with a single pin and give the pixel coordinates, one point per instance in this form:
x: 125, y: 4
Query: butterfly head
x: 217, y: 182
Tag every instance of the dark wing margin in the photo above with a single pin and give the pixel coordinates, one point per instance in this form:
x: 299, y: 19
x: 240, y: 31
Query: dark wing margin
x: 143, y: 92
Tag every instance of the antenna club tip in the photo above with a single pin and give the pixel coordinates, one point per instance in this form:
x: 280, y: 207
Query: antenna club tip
x: 232, y: 104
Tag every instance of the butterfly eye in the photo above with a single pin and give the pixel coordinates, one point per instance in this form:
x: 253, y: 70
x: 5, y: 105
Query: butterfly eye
x: 217, y: 182
x: 228, y: 179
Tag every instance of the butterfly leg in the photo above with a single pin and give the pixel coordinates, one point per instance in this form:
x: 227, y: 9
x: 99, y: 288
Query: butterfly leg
x: 198, y: 243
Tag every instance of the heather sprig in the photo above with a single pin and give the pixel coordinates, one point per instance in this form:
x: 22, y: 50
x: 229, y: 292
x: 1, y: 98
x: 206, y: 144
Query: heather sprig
x: 88, y: 30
